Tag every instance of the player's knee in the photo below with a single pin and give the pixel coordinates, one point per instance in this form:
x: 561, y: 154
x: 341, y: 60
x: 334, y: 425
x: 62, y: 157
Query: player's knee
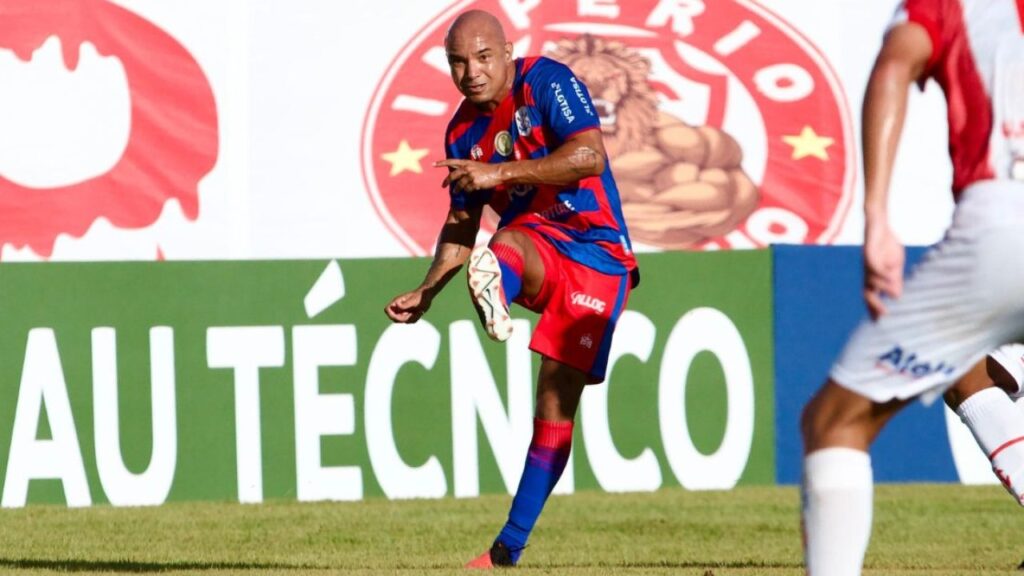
x: 813, y: 420
x: 836, y: 417
x: 976, y: 379
x: 1000, y: 367
x: 512, y: 238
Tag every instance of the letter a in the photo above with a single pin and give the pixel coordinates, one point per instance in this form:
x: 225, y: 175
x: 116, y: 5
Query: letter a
x: 43, y: 386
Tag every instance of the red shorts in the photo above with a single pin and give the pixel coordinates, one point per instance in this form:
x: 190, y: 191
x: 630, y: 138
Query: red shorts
x: 578, y: 309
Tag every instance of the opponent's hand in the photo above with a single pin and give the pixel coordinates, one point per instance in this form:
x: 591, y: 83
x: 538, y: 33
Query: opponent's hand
x: 470, y: 175
x: 884, y: 256
x: 409, y: 307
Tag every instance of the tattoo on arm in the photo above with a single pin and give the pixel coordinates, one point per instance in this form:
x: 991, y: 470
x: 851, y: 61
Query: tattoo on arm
x: 583, y: 160
x: 447, y: 261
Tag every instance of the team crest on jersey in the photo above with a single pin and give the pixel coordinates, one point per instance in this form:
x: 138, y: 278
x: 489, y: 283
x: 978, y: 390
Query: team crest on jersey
x: 503, y: 143
x: 725, y: 127
x: 523, y: 124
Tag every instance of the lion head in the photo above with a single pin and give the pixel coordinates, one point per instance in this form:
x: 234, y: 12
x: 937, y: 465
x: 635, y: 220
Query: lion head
x: 617, y: 79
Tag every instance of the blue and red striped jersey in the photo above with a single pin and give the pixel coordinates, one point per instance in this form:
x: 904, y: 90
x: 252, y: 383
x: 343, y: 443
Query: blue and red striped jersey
x: 547, y: 106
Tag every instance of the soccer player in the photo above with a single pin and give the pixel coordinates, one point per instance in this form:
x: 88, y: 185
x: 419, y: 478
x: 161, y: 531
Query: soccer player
x: 962, y: 301
x: 526, y: 141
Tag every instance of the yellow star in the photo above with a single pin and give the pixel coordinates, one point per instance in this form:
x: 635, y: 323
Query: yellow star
x: 405, y: 158
x: 807, y: 143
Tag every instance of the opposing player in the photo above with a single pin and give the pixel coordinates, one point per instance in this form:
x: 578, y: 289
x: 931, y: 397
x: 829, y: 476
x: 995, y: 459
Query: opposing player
x: 961, y: 302
x: 526, y: 141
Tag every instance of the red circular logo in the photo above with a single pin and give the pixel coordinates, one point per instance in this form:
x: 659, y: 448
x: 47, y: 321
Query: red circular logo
x: 725, y: 127
x: 174, y: 138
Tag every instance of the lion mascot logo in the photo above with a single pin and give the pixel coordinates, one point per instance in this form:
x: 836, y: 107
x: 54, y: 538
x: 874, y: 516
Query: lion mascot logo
x: 680, y: 185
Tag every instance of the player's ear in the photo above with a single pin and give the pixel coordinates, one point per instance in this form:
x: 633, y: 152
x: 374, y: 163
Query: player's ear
x: 508, y: 51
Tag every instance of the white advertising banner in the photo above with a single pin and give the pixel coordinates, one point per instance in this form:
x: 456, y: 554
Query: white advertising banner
x: 143, y: 129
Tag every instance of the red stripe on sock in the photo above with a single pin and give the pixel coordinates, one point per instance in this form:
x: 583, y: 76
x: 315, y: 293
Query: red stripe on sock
x: 554, y: 435
x: 996, y: 452
x: 509, y: 256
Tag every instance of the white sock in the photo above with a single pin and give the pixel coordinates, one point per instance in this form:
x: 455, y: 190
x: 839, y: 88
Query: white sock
x: 998, y: 426
x: 837, y: 494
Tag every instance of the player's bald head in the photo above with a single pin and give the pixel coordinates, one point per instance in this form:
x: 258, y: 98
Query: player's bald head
x: 475, y: 23
x: 480, y: 58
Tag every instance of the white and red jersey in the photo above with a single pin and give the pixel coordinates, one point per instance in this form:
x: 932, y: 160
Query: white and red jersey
x: 978, y: 59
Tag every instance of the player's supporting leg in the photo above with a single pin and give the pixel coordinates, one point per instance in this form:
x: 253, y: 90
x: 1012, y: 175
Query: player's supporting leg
x: 994, y: 420
x: 837, y: 489
x: 558, y: 395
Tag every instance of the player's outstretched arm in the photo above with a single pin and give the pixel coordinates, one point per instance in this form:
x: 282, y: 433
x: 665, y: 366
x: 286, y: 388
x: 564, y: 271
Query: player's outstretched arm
x: 458, y: 235
x: 902, y: 60
x: 580, y: 156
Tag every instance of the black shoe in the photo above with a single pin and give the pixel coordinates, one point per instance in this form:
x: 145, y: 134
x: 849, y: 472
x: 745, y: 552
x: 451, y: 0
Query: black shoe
x: 498, y: 556
x: 501, y: 555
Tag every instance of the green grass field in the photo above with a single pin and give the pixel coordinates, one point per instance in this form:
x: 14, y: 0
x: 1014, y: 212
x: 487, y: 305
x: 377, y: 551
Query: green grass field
x: 919, y: 529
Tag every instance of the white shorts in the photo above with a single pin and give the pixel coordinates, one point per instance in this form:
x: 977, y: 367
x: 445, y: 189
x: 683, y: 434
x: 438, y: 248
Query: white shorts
x: 963, y: 300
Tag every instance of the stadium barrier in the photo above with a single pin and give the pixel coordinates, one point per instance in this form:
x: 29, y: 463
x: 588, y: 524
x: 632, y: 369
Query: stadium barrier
x: 143, y: 383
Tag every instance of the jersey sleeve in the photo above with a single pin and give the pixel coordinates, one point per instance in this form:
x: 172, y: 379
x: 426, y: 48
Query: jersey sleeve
x: 562, y: 99
x: 929, y: 15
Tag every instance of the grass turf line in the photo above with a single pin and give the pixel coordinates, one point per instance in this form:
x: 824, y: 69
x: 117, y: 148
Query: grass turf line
x: 919, y: 529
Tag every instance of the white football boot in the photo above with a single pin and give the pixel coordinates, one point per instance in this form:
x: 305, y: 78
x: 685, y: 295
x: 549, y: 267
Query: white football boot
x: 484, y: 278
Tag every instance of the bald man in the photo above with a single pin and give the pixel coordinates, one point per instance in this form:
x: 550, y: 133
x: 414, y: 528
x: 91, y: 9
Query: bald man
x: 526, y: 141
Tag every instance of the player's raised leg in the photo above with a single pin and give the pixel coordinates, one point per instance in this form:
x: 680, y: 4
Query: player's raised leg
x: 498, y: 274
x: 995, y: 421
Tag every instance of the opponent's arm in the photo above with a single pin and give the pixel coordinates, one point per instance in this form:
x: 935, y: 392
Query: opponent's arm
x: 453, y: 246
x: 580, y: 156
x: 902, y: 60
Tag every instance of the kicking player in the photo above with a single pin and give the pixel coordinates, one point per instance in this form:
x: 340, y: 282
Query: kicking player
x: 526, y: 141
x: 963, y: 300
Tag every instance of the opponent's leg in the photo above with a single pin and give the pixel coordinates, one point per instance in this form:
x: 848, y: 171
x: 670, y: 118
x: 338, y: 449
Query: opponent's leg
x: 558, y: 395
x: 499, y: 273
x: 1005, y: 366
x: 837, y: 489
x: 994, y: 420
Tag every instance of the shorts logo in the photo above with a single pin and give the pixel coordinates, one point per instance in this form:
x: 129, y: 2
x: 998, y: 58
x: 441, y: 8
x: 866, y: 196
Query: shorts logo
x: 898, y: 361
x: 787, y: 178
x: 503, y: 143
x: 587, y: 341
x: 523, y: 124
x: 587, y: 301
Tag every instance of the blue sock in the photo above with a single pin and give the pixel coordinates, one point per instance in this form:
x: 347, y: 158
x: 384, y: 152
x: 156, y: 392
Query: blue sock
x: 545, y: 461
x: 511, y: 283
x: 511, y: 263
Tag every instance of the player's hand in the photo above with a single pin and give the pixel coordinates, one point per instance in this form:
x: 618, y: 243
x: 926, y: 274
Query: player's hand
x: 884, y: 256
x: 470, y: 175
x: 409, y: 307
